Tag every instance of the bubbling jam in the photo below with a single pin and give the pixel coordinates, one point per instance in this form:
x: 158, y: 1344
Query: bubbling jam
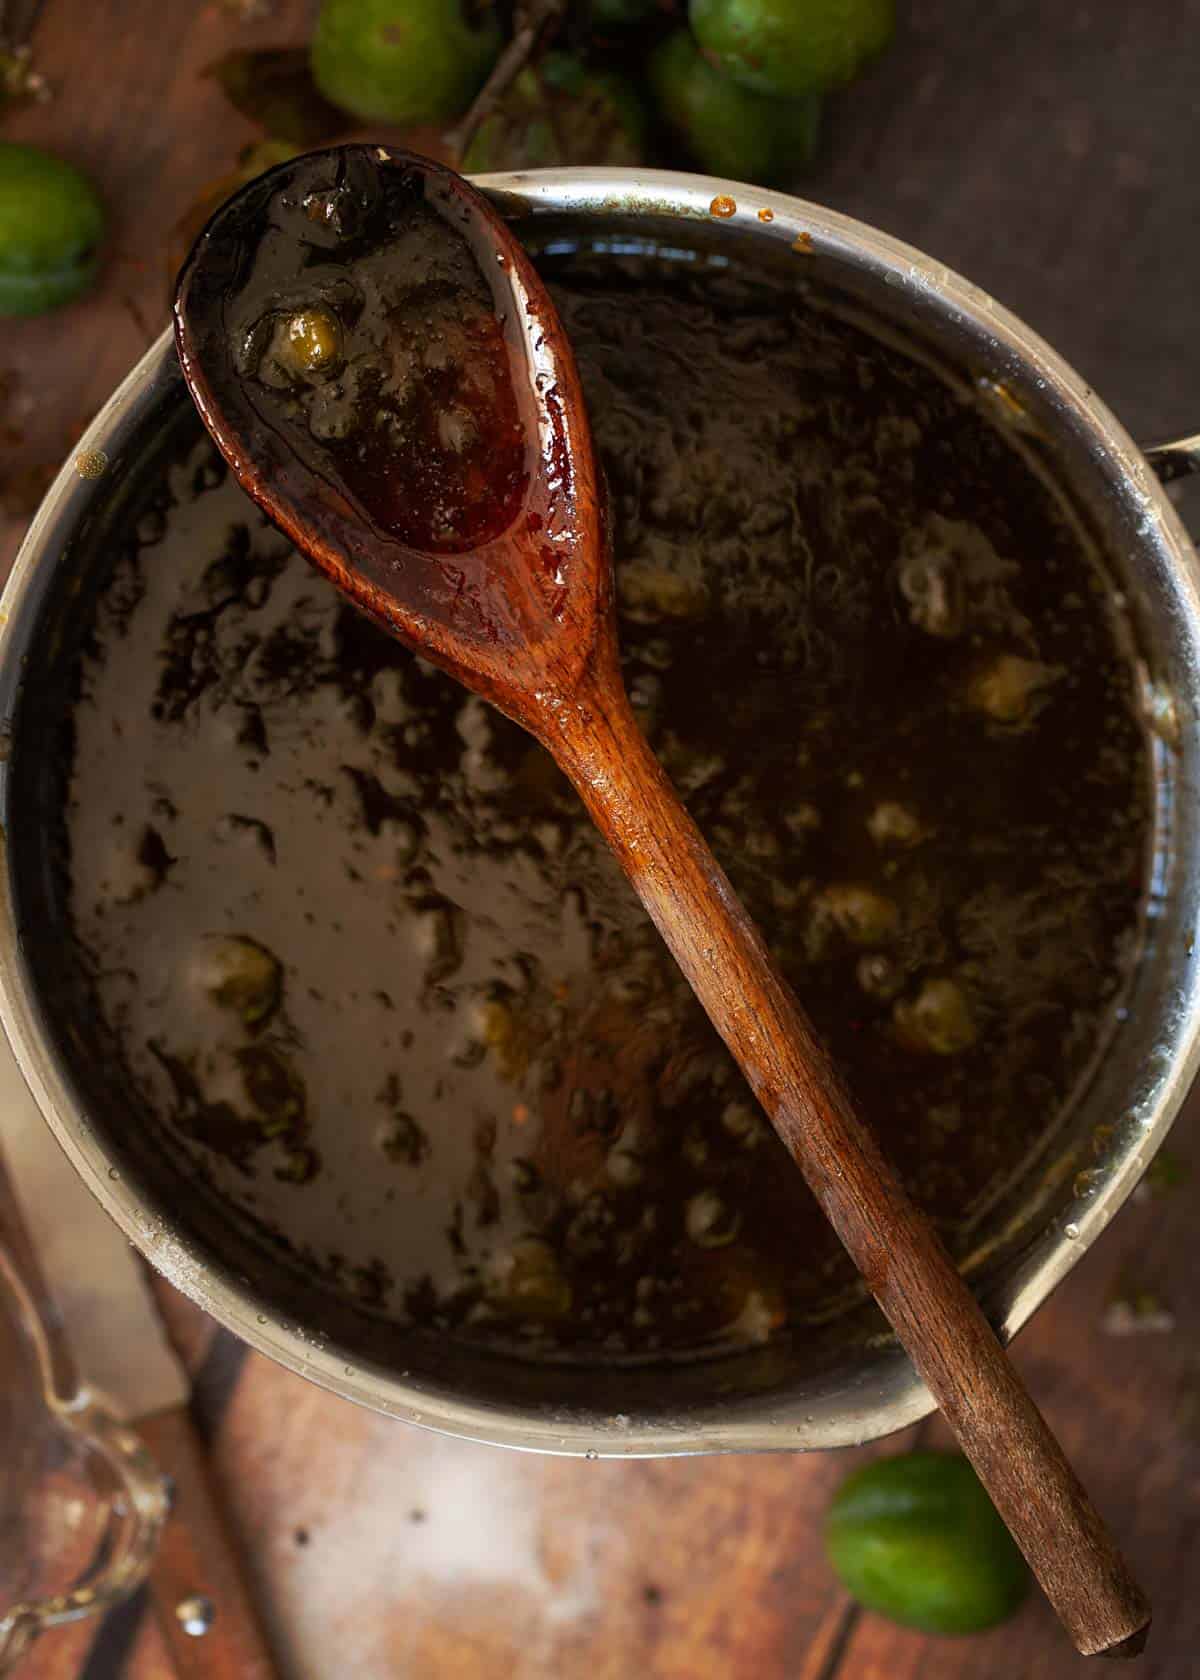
x: 366, y: 958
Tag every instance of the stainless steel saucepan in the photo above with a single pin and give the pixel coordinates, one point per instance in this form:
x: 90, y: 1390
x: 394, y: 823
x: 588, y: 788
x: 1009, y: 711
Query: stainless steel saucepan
x: 846, y: 1381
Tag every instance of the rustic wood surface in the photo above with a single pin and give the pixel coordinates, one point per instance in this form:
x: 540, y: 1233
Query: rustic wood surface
x: 1046, y: 152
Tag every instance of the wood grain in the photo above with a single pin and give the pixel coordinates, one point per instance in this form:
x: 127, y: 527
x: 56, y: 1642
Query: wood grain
x: 197, y: 1560
x: 1045, y: 152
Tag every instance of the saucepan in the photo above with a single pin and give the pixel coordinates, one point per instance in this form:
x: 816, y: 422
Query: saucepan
x: 845, y: 1381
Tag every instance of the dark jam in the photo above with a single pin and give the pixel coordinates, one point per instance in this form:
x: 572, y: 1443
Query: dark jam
x: 361, y: 948
x: 364, y: 336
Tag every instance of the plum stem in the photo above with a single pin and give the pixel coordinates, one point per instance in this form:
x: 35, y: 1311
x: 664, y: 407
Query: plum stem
x: 533, y: 19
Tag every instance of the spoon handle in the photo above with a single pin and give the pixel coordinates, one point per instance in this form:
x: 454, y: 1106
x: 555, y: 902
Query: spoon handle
x: 600, y: 747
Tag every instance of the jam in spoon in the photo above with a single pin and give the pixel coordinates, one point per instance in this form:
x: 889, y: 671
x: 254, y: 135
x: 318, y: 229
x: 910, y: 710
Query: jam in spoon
x: 380, y: 364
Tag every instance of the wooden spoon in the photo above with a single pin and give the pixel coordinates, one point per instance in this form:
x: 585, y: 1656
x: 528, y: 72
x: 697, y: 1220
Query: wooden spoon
x: 380, y: 364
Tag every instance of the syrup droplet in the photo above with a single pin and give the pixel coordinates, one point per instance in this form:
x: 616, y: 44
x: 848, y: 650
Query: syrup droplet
x: 93, y: 463
x: 723, y: 206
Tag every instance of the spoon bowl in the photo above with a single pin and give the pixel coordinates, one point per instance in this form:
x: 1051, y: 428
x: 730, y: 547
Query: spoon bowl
x: 382, y: 367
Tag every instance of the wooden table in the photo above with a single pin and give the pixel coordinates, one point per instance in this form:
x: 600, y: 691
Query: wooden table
x: 1047, y: 152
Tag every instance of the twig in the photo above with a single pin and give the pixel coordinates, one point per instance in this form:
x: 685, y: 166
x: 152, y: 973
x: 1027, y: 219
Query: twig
x: 533, y: 18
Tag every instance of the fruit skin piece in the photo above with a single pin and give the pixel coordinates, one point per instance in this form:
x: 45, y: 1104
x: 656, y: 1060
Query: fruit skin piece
x: 52, y: 221
x: 402, y: 61
x: 790, y: 47
x: 727, y: 129
x: 916, y: 1538
x: 561, y: 112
